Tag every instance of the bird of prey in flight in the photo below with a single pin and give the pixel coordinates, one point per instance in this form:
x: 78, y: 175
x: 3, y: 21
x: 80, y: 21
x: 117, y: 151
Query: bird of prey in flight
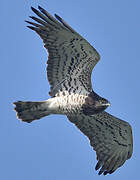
x: 69, y: 66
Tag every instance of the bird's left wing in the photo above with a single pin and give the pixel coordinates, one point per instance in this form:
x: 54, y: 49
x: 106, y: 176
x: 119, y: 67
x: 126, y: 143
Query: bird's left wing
x: 109, y: 136
x: 71, y: 58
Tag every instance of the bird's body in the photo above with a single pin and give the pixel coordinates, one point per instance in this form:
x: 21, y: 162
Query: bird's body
x: 64, y: 103
x: 69, y: 67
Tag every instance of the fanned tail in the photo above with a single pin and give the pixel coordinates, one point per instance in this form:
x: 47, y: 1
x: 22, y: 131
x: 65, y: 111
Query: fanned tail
x: 29, y: 111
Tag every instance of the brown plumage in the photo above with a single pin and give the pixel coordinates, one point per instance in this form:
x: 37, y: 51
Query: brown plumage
x: 69, y: 67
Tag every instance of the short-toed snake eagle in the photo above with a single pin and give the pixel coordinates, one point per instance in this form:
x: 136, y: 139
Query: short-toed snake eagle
x: 70, y: 62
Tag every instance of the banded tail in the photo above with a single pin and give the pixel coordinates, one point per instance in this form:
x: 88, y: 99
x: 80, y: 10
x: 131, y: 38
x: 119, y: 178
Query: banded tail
x: 29, y: 111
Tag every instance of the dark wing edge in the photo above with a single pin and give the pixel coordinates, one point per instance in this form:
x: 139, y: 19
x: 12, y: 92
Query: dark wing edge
x: 69, y: 53
x: 109, y: 136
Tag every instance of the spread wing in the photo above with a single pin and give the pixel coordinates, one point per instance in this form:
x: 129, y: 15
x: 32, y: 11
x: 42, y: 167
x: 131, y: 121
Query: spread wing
x: 109, y: 136
x: 71, y: 58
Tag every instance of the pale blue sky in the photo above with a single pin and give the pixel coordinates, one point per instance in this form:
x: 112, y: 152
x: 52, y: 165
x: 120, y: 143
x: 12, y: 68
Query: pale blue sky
x: 53, y: 148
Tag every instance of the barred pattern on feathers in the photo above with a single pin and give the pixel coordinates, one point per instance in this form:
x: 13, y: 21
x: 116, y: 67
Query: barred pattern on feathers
x: 70, y: 62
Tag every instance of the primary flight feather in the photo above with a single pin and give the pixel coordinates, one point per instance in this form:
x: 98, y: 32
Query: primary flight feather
x: 70, y: 62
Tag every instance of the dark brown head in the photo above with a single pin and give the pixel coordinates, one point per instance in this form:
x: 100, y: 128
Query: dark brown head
x: 101, y: 104
x: 94, y: 104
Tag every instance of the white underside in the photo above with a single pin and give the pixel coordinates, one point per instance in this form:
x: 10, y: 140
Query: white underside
x: 65, y: 104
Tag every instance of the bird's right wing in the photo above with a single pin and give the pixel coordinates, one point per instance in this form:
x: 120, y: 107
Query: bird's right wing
x: 109, y: 136
x: 71, y: 58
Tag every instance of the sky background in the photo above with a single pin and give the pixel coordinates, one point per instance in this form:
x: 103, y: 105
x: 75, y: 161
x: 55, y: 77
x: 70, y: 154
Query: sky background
x: 53, y: 148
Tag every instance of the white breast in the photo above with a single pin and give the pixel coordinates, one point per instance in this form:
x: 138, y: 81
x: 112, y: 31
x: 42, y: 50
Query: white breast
x: 65, y: 103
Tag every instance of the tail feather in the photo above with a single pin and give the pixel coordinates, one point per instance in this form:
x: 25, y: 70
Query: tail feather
x: 29, y: 111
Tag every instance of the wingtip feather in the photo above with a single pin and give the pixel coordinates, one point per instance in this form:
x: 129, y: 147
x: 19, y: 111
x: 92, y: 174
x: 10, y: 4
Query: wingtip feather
x: 58, y: 17
x: 33, y: 9
x: 31, y: 27
x: 40, y: 8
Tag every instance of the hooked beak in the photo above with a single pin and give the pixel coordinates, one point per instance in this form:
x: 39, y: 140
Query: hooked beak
x: 98, y: 104
x: 107, y: 104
